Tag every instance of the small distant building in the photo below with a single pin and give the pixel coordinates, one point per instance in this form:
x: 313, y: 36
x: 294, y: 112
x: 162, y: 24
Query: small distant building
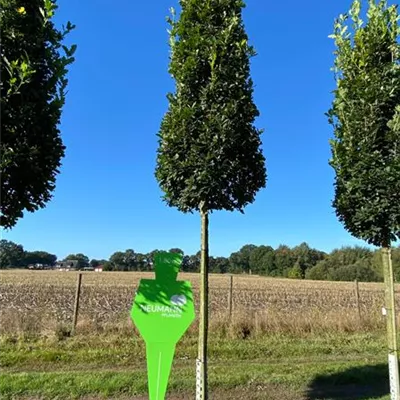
x: 67, y: 265
x: 39, y: 266
x: 99, y: 269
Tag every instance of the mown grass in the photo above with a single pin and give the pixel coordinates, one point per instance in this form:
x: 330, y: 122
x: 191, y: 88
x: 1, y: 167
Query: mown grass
x: 104, y: 366
x: 286, y: 376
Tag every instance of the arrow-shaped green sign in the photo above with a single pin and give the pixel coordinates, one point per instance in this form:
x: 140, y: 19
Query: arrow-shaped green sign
x: 163, y: 309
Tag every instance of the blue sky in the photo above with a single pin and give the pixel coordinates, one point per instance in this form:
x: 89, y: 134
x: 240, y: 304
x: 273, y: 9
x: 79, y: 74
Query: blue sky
x: 107, y: 198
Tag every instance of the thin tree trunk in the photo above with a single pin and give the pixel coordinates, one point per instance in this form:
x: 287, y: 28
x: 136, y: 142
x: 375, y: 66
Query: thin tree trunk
x: 202, y: 392
x: 391, y: 322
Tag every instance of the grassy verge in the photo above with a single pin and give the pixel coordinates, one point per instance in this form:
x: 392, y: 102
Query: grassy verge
x: 302, y: 381
x: 336, y: 366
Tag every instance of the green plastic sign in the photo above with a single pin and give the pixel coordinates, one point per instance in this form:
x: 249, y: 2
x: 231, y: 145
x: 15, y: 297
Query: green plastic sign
x: 162, y: 310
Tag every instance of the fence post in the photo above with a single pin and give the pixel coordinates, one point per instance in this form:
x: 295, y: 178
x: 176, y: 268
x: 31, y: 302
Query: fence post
x: 230, y: 296
x: 76, y: 306
x: 257, y: 321
x: 357, y: 293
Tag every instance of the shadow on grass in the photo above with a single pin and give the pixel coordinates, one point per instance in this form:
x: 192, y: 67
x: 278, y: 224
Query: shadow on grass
x: 363, y: 382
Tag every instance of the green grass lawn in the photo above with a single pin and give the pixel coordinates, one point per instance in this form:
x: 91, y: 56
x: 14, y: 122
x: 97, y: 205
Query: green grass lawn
x: 337, y: 366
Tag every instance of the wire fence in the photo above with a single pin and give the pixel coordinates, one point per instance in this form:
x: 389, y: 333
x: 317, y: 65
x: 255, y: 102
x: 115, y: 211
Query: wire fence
x: 106, y: 299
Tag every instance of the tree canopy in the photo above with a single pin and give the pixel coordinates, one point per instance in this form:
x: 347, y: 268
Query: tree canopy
x: 34, y: 64
x: 209, y: 149
x: 342, y: 264
x: 11, y: 254
x: 39, y: 257
x: 365, y: 116
x: 83, y: 260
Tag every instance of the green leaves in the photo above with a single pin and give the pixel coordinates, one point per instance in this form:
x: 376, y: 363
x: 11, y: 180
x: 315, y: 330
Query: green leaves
x: 19, y: 72
x: 69, y: 52
x: 364, y: 114
x: 11, y: 254
x: 209, y: 150
x: 33, y: 86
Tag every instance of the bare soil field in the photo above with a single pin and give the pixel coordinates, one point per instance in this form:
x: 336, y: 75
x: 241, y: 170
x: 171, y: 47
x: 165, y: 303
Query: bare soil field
x: 45, y: 299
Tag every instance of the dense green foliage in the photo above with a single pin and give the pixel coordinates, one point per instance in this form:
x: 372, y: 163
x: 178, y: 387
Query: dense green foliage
x: 33, y: 86
x: 83, y: 261
x: 302, y: 261
x: 39, y: 257
x: 366, y: 118
x: 348, y: 263
x: 209, y: 150
x: 13, y: 255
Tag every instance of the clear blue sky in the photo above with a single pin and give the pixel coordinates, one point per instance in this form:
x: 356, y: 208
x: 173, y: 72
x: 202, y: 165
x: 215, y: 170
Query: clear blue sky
x: 107, y: 198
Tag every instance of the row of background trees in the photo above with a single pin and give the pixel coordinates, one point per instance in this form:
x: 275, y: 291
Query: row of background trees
x: 300, y: 262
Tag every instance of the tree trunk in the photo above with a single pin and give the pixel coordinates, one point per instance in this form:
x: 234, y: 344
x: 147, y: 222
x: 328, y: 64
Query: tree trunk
x: 201, y: 390
x: 391, y: 323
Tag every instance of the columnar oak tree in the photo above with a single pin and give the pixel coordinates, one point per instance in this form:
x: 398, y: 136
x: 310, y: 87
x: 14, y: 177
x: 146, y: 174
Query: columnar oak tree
x: 209, y: 155
x: 366, y: 150
x: 33, y: 83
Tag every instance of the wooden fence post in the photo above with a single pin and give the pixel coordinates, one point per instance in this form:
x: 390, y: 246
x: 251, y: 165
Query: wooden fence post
x: 357, y: 293
x: 230, y: 296
x: 76, y: 306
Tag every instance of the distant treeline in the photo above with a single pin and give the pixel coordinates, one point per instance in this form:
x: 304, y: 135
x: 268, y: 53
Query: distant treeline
x: 299, y: 262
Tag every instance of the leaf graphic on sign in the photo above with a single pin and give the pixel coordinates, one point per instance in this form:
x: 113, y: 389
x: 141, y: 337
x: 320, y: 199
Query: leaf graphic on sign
x: 178, y: 300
